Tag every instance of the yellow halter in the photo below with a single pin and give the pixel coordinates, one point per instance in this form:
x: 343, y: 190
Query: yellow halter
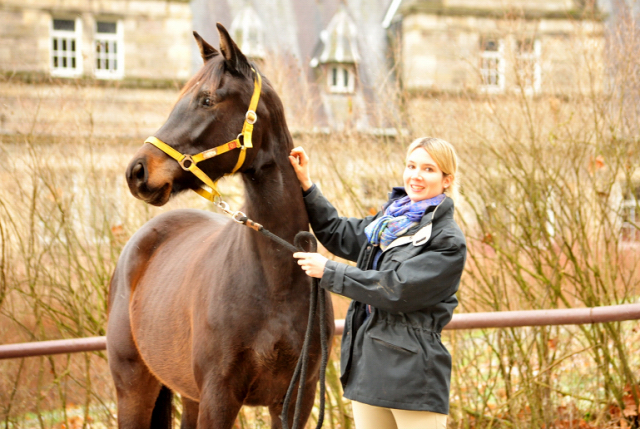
x: 189, y: 162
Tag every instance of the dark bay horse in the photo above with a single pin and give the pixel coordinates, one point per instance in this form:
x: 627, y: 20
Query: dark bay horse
x: 200, y: 305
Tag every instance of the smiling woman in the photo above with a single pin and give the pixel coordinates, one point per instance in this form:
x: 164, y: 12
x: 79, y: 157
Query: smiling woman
x: 410, y: 257
x: 423, y: 176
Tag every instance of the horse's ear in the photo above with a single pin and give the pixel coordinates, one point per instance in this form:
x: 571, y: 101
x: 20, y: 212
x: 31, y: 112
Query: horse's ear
x: 206, y: 50
x: 234, y: 58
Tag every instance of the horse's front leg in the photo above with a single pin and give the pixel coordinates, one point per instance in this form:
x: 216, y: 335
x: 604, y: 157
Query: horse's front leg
x: 218, y: 405
x: 189, y: 418
x: 309, y: 392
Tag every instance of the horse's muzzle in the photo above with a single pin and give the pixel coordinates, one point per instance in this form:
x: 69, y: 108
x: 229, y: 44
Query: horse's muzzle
x: 137, y: 172
x: 137, y: 175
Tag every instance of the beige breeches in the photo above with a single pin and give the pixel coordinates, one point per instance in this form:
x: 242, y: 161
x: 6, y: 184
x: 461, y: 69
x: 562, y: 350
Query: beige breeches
x: 370, y: 417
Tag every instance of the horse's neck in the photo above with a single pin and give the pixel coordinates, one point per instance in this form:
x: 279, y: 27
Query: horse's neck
x: 274, y: 199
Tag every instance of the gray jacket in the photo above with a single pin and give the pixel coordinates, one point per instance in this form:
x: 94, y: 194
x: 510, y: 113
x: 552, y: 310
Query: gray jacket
x: 395, y: 357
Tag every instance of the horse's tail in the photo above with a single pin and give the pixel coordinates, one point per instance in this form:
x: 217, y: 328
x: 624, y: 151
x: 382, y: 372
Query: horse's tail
x: 162, y: 415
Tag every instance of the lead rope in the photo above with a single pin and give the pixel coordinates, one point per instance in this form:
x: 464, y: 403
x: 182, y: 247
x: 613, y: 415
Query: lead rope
x: 317, y: 298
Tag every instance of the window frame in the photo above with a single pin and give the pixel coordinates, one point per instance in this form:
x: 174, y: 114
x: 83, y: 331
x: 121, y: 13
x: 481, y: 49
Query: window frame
x: 533, y: 57
x: 341, y: 71
x: 59, y: 35
x: 116, y: 38
x: 630, y: 219
x: 497, y: 55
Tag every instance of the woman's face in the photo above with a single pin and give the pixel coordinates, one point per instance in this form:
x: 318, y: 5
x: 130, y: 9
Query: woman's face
x: 422, y: 177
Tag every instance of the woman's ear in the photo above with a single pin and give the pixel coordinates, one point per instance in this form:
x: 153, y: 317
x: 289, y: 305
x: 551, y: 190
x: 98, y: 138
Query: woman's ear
x: 447, y: 181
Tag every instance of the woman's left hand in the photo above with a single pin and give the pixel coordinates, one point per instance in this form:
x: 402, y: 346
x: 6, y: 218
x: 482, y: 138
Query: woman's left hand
x: 312, y: 263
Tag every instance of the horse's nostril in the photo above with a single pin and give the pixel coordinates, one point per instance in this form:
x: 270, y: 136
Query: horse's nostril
x: 138, y: 171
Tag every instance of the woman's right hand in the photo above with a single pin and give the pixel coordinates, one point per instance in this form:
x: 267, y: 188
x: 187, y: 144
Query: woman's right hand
x: 300, y: 162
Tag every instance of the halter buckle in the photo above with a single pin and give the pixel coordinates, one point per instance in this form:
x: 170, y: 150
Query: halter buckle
x: 251, y: 117
x: 187, y: 158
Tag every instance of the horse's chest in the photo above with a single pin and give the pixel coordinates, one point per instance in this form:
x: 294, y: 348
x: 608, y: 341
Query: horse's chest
x: 273, y: 372
x: 271, y: 361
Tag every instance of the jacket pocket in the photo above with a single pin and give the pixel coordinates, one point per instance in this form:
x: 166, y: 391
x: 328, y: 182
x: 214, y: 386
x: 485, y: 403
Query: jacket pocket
x: 406, y: 348
x: 392, y: 366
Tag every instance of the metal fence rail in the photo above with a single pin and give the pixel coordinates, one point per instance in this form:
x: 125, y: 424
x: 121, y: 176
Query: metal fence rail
x: 498, y: 319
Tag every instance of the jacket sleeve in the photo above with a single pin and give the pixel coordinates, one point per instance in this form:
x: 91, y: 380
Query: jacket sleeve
x: 344, y: 237
x: 414, y: 284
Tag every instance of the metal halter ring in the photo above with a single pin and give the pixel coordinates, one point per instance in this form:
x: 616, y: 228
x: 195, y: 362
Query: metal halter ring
x: 186, y: 158
x: 251, y: 117
x: 237, y: 216
x: 240, y: 139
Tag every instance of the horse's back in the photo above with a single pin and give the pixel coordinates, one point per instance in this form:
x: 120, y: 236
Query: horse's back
x: 175, y: 225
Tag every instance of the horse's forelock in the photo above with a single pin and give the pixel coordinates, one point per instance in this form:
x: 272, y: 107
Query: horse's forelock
x: 209, y: 75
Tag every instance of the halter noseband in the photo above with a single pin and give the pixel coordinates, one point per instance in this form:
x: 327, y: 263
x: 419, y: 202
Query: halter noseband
x: 189, y: 162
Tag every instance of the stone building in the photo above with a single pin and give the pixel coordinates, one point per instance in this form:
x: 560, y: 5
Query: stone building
x: 335, y: 51
x: 355, y: 54
x: 100, y: 68
x: 496, y: 46
x: 344, y: 58
x: 116, y: 39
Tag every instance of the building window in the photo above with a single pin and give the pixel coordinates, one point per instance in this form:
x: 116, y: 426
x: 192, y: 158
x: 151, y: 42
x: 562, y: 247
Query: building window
x: 341, y: 79
x: 528, y: 65
x: 66, y: 56
x: 630, y: 231
x: 492, y: 65
x: 109, y: 54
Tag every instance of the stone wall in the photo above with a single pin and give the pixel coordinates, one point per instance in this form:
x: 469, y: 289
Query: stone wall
x: 157, y: 34
x: 83, y: 111
x: 538, y: 9
x: 442, y: 53
x: 539, y: 5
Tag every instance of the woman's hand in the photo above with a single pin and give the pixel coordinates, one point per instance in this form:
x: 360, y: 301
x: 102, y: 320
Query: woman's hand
x: 312, y: 263
x: 300, y: 162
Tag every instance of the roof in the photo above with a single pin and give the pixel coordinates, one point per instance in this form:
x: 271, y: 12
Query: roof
x: 248, y: 32
x: 339, y: 40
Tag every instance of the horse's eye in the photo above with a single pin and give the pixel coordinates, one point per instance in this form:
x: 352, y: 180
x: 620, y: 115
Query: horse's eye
x: 206, y: 101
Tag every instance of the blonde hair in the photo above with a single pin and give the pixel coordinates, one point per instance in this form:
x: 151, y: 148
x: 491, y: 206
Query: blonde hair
x: 444, y: 154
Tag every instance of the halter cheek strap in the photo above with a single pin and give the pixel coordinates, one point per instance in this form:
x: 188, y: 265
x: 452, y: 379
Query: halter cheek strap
x: 242, y: 142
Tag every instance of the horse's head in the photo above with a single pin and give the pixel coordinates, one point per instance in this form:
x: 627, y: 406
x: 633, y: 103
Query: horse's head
x: 210, y: 112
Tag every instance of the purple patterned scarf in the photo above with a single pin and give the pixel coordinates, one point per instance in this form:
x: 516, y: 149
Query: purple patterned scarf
x: 398, y: 218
